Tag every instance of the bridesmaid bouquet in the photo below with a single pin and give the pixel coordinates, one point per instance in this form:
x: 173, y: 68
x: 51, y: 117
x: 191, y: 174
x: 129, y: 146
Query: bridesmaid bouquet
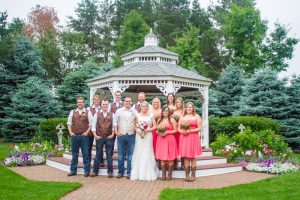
x: 185, y: 126
x: 142, y: 126
x: 161, y: 129
x: 176, y: 117
x: 157, y: 118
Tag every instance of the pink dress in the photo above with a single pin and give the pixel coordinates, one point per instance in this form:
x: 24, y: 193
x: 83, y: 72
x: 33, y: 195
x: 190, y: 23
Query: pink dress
x: 154, y: 136
x: 190, y: 144
x: 166, y: 147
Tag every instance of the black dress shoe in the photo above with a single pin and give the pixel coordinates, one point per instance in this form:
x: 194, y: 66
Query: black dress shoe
x: 128, y: 176
x: 120, y: 176
x: 71, y: 174
x: 86, y: 175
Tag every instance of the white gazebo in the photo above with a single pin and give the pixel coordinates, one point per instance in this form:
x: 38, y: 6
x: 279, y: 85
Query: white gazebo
x: 154, y: 70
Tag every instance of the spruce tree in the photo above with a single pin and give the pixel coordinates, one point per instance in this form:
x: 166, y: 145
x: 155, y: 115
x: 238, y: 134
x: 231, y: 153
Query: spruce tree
x: 291, y: 124
x: 74, y: 84
x: 31, y: 103
x: 228, y: 91
x: 264, y: 95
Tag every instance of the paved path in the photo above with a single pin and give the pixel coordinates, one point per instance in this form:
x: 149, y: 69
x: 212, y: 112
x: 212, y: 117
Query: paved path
x: 104, y: 188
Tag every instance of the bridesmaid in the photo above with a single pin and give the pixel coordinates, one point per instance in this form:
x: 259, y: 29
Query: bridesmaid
x: 166, y: 147
x: 189, y: 140
x: 179, y: 103
x: 171, y: 102
x: 156, y: 112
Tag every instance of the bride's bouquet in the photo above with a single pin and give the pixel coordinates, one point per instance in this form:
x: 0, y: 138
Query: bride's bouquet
x: 161, y: 129
x: 142, y: 126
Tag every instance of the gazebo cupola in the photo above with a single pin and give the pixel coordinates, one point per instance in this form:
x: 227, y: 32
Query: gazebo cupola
x: 150, y: 52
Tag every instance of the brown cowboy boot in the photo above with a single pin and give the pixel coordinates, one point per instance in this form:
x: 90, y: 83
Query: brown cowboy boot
x: 193, y: 177
x: 187, y: 173
x: 170, y: 170
x: 163, y: 172
x: 182, y: 164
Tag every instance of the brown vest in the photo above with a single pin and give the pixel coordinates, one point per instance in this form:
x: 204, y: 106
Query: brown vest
x: 80, y: 123
x: 114, y: 107
x: 137, y: 107
x: 93, y: 110
x: 104, y: 125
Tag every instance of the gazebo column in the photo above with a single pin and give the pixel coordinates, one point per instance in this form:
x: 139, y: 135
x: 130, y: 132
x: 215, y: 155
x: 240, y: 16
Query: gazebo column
x: 92, y: 93
x: 205, y: 124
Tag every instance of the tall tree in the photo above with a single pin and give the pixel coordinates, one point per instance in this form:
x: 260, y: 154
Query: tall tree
x: 41, y: 19
x: 87, y: 22
x: 172, y: 19
x: 48, y: 44
x: 228, y: 91
x: 30, y: 104
x: 279, y: 48
x: 132, y: 35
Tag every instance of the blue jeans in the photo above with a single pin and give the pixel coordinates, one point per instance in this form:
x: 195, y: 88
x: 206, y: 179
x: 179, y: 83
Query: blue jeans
x: 108, y: 143
x: 91, y: 141
x: 125, y: 145
x: 80, y: 141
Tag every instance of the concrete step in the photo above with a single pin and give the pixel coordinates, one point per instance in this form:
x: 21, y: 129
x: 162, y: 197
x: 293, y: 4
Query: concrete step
x: 201, y: 160
x: 202, y: 170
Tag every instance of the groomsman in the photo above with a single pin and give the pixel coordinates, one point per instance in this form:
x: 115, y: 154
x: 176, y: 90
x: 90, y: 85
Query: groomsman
x: 79, y: 126
x: 93, y: 109
x: 124, y: 122
x: 102, y: 129
x: 114, y: 106
x: 141, y: 99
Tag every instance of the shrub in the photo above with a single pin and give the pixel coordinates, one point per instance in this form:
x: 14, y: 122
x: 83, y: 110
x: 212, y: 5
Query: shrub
x: 229, y: 125
x: 47, y: 128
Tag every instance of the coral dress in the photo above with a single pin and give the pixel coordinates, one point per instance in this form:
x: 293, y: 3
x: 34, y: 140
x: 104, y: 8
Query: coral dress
x: 190, y: 144
x: 166, y: 146
x: 154, y: 136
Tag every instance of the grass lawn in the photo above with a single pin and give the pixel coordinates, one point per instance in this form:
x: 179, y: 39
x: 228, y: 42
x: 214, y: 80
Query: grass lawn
x: 281, y: 187
x: 14, y: 186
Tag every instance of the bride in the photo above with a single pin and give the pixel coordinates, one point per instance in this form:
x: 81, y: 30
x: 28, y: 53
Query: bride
x: 143, y: 159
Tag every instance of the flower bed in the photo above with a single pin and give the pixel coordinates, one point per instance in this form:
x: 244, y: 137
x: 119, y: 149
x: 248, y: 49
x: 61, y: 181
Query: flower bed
x: 272, y: 167
x: 24, y: 159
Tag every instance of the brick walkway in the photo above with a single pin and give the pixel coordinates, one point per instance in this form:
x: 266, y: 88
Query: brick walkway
x: 103, y: 188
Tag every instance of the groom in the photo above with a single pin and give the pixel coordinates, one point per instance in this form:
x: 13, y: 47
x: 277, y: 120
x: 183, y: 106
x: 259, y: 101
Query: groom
x: 125, y: 130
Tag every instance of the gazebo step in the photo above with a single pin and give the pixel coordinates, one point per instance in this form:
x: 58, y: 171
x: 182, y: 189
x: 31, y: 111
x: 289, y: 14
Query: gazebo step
x: 202, y: 170
x: 201, y: 160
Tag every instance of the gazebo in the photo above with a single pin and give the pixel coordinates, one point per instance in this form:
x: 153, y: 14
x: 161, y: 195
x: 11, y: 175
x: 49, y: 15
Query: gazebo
x: 154, y: 70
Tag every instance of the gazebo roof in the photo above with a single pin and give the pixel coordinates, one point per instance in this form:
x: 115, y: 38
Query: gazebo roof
x: 150, y: 49
x: 152, y: 69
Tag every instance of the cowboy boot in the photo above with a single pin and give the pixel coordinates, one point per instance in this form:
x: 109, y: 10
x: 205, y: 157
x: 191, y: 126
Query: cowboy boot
x: 187, y: 173
x: 170, y: 173
x: 182, y: 164
x: 163, y: 171
x: 193, y: 177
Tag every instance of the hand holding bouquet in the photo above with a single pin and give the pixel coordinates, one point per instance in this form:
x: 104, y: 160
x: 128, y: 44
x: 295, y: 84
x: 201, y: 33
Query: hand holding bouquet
x: 185, y: 126
x: 176, y: 117
x: 142, y: 126
x: 161, y: 129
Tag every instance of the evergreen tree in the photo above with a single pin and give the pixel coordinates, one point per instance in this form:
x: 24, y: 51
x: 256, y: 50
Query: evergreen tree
x: 29, y: 105
x: 214, y: 110
x: 74, y: 84
x: 228, y: 92
x: 264, y: 95
x: 291, y: 124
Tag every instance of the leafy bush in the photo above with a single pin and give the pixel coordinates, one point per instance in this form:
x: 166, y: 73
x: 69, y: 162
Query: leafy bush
x: 47, y: 128
x: 229, y: 125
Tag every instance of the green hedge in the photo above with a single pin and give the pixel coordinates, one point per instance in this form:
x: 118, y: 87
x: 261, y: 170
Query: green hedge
x: 229, y: 125
x: 47, y: 128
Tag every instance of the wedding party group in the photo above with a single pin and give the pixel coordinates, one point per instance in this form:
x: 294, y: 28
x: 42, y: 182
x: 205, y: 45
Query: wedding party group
x: 149, y: 136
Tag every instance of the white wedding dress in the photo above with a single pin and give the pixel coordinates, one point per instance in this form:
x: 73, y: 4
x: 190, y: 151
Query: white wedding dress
x: 143, y: 166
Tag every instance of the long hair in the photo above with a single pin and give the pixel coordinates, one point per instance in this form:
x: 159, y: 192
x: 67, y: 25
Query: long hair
x: 159, y: 103
x: 173, y: 98
x: 194, y: 110
x: 179, y: 99
x: 162, y: 116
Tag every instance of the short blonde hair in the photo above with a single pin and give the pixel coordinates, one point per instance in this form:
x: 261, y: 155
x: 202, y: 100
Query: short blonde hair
x: 145, y: 103
x: 159, y: 103
x: 80, y: 98
x: 96, y: 96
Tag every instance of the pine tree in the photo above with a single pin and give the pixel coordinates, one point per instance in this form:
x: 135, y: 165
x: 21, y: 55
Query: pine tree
x: 291, y: 124
x: 228, y: 91
x: 264, y: 95
x: 31, y: 103
x: 74, y: 84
